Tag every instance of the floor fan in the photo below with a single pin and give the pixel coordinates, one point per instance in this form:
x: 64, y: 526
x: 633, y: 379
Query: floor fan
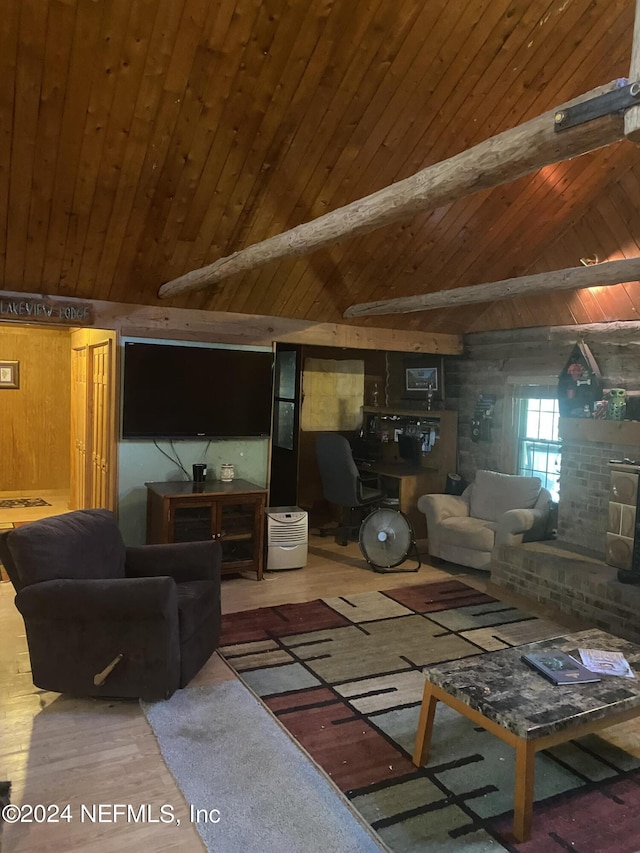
x: 387, y: 540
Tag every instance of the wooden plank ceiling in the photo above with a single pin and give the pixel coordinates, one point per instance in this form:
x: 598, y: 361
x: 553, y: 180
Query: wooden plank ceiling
x: 141, y: 139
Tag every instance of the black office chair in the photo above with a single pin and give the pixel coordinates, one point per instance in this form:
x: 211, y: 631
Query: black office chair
x: 342, y: 484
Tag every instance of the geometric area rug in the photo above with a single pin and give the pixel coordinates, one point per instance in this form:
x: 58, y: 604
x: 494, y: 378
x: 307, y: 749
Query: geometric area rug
x: 343, y: 676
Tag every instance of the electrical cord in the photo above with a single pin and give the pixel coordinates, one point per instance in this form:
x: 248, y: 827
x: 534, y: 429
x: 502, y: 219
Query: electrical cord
x: 186, y: 473
x: 175, y: 461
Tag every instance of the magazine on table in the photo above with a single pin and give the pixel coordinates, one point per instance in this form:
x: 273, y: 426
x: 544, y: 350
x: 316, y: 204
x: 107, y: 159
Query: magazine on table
x: 606, y: 663
x: 560, y: 668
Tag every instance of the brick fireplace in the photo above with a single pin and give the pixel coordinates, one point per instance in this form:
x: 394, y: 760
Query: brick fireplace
x: 571, y: 573
x: 585, y: 475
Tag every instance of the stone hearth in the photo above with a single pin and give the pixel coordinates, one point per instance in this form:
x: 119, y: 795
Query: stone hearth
x: 573, y: 580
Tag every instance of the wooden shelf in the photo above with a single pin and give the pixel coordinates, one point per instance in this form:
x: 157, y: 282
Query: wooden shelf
x: 592, y: 429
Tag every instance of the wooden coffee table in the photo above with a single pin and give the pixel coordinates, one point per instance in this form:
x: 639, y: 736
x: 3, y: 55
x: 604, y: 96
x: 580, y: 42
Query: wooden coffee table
x: 499, y: 692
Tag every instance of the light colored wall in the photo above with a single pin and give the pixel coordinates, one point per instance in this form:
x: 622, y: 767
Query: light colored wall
x: 34, y: 424
x: 142, y: 462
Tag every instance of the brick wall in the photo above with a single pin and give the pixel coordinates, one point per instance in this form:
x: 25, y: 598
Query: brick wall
x: 584, y: 491
x: 579, y: 585
x: 494, y: 360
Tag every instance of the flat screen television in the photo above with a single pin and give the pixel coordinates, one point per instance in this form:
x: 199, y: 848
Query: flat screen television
x: 187, y: 392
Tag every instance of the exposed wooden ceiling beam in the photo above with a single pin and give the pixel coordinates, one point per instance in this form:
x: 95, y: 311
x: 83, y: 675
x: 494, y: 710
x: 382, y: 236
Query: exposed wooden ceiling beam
x: 574, y: 278
x: 193, y: 324
x: 498, y: 160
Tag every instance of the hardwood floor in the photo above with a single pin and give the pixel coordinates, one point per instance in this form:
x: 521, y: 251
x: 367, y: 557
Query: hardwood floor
x: 58, y: 501
x: 59, y: 749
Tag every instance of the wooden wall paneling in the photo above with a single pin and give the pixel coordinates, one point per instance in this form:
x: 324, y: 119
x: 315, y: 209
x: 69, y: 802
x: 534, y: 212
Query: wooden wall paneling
x: 86, y: 36
x: 447, y: 120
x: 613, y: 301
x: 258, y: 193
x: 108, y: 68
x: 177, y: 232
x: 480, y: 243
x: 226, y: 127
x: 199, y: 118
x: 34, y: 436
x: 546, y: 311
x: 143, y: 138
x: 268, y: 75
x: 8, y: 63
x: 60, y: 20
x: 149, y: 168
x: 321, y: 285
x: 623, y: 195
x: 584, y: 307
x: 118, y: 78
x: 317, y: 120
x: 235, y: 173
x: 150, y: 104
x: 498, y: 43
x: 31, y: 43
x: 361, y: 80
x: 630, y: 184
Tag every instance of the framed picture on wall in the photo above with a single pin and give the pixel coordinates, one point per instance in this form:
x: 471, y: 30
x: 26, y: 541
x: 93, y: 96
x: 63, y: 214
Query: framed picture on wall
x: 421, y: 378
x: 9, y: 374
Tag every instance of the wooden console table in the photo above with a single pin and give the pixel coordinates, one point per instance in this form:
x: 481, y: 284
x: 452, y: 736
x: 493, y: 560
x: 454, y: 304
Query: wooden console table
x: 231, y: 512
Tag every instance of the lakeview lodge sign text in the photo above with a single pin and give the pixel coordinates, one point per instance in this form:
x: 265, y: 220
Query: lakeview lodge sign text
x: 45, y: 310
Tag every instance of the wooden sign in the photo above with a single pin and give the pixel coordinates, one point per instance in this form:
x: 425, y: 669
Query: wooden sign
x: 44, y: 310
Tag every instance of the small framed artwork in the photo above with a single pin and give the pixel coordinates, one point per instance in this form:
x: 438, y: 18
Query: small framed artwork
x: 421, y: 378
x: 9, y: 374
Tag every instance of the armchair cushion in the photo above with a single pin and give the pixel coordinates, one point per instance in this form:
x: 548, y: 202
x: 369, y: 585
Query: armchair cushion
x: 182, y: 561
x: 50, y: 548
x: 492, y: 494
x: 476, y: 533
x: 135, y: 598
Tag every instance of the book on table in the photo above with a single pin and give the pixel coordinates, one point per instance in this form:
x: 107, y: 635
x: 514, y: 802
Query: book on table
x: 606, y: 662
x: 560, y: 668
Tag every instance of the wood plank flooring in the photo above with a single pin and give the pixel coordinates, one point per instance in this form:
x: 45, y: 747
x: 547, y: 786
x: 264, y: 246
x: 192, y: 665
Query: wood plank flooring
x: 58, y: 500
x: 59, y: 749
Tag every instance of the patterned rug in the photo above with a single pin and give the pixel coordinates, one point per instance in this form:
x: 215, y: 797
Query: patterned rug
x: 22, y: 503
x: 343, y: 676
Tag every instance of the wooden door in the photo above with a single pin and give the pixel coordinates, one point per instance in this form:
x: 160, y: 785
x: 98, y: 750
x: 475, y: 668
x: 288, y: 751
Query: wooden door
x: 285, y: 433
x: 93, y: 419
x: 78, y: 484
x: 102, y: 420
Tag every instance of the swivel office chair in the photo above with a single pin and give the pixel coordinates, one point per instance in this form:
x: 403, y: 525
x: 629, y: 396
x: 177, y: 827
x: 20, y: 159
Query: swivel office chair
x: 342, y: 484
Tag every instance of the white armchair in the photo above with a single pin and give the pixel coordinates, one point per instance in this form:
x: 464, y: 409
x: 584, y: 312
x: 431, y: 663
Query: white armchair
x: 496, y: 509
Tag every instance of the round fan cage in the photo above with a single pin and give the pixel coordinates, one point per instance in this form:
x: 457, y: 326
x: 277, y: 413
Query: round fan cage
x: 387, y: 539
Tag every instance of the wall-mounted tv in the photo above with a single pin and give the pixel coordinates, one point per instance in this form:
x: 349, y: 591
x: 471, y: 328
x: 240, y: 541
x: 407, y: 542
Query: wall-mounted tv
x: 195, y: 392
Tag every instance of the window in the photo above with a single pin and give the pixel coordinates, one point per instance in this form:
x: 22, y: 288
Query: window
x: 539, y: 447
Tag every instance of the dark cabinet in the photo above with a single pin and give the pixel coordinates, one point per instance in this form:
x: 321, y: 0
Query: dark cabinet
x: 231, y: 512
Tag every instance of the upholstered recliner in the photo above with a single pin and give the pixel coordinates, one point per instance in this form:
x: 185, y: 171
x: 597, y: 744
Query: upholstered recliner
x: 496, y: 509
x: 106, y: 620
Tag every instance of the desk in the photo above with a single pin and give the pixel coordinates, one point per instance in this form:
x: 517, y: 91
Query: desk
x: 408, y: 483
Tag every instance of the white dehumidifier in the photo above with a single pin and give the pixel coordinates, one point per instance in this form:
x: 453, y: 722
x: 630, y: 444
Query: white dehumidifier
x: 287, y: 537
